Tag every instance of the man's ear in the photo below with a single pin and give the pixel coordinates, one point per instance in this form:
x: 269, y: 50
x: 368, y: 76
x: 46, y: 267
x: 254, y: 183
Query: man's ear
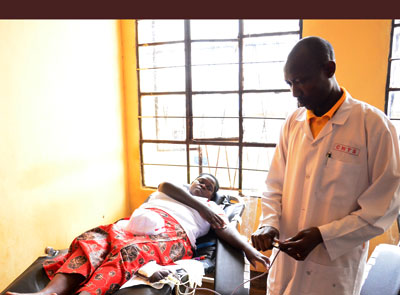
x: 330, y: 68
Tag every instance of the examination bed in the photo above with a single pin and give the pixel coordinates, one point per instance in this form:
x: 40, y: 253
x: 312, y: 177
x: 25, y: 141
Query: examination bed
x: 222, y: 263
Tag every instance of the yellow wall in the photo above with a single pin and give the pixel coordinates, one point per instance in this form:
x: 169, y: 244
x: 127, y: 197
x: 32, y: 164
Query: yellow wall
x: 61, y: 152
x: 137, y: 193
x: 362, y: 50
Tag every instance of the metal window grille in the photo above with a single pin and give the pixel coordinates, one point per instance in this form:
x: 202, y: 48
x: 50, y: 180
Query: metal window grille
x: 392, y: 105
x: 212, y: 98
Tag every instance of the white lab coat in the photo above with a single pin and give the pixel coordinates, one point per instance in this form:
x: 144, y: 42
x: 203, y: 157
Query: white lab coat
x: 345, y: 182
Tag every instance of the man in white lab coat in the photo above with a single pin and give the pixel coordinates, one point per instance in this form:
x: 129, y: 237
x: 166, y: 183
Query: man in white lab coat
x: 333, y: 183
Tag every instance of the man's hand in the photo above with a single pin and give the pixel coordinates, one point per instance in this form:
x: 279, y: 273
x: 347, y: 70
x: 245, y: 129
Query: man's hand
x: 262, y: 239
x: 302, y: 243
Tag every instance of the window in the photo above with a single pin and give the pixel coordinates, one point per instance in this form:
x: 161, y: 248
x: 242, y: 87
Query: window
x: 393, y: 81
x: 212, y: 98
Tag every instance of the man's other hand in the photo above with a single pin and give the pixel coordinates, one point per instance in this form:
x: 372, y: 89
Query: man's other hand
x: 300, y: 245
x: 263, y: 238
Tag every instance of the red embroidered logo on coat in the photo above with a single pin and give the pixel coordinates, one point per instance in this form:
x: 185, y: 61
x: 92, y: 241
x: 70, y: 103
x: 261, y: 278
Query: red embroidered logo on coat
x: 347, y: 149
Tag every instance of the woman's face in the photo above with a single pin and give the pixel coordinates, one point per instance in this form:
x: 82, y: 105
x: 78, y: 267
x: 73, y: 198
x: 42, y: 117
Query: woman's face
x: 203, y: 186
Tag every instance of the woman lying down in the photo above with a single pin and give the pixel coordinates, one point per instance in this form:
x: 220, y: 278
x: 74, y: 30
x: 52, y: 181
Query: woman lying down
x: 164, y: 230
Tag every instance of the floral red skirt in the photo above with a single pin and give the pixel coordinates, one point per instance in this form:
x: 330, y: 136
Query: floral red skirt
x: 107, y: 256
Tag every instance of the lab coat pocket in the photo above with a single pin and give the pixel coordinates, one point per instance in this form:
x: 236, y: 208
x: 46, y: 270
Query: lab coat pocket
x: 339, y: 181
x: 322, y: 279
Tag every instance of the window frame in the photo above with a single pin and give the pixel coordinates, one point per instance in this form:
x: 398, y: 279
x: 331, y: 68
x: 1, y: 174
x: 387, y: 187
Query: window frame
x: 388, y: 77
x: 190, y: 140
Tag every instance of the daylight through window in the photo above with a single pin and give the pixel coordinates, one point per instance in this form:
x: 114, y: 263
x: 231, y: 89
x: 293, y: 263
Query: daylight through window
x: 393, y: 84
x: 212, y: 98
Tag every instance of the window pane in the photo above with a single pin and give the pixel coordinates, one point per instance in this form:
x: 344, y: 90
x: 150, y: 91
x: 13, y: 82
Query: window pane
x: 214, y: 53
x: 261, y: 130
x: 214, y: 78
x: 155, y: 153
x: 257, y: 158
x: 268, y: 105
x: 264, y: 49
x: 214, y: 29
x: 254, y: 180
x: 212, y: 157
x: 221, y: 161
x: 164, y: 128
x: 163, y: 105
x: 270, y: 26
x: 264, y: 76
x: 394, y: 105
x: 161, y: 56
x: 216, y: 128
x: 397, y: 21
x: 227, y: 178
x: 162, y: 80
x: 395, y: 74
x: 396, y: 43
x: 215, y: 105
x: 396, y: 124
x: 150, y: 31
x: 154, y: 175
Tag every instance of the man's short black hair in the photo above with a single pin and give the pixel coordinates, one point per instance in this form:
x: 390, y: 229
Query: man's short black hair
x: 320, y: 49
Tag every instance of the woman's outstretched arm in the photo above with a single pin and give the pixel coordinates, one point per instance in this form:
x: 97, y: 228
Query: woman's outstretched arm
x: 236, y: 240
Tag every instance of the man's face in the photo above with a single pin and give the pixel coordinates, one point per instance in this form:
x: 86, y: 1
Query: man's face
x: 308, y: 82
x: 203, y: 186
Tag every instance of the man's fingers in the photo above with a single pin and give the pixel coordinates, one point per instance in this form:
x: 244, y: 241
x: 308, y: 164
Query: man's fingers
x: 254, y: 242
x: 290, y: 243
x: 257, y: 243
x: 263, y: 243
x: 293, y: 251
x: 262, y: 239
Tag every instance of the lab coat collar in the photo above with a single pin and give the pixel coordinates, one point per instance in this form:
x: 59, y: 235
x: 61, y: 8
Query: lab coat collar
x: 343, y: 113
x: 340, y: 117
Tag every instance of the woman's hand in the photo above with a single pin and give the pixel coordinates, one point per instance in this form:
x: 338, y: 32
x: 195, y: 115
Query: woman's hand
x: 159, y: 275
x: 215, y: 221
x: 254, y: 256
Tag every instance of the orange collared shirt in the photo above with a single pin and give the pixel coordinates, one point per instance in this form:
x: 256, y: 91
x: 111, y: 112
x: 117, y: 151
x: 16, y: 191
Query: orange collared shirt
x: 317, y: 123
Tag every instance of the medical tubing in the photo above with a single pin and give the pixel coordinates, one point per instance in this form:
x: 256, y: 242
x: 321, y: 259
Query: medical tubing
x: 234, y: 291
